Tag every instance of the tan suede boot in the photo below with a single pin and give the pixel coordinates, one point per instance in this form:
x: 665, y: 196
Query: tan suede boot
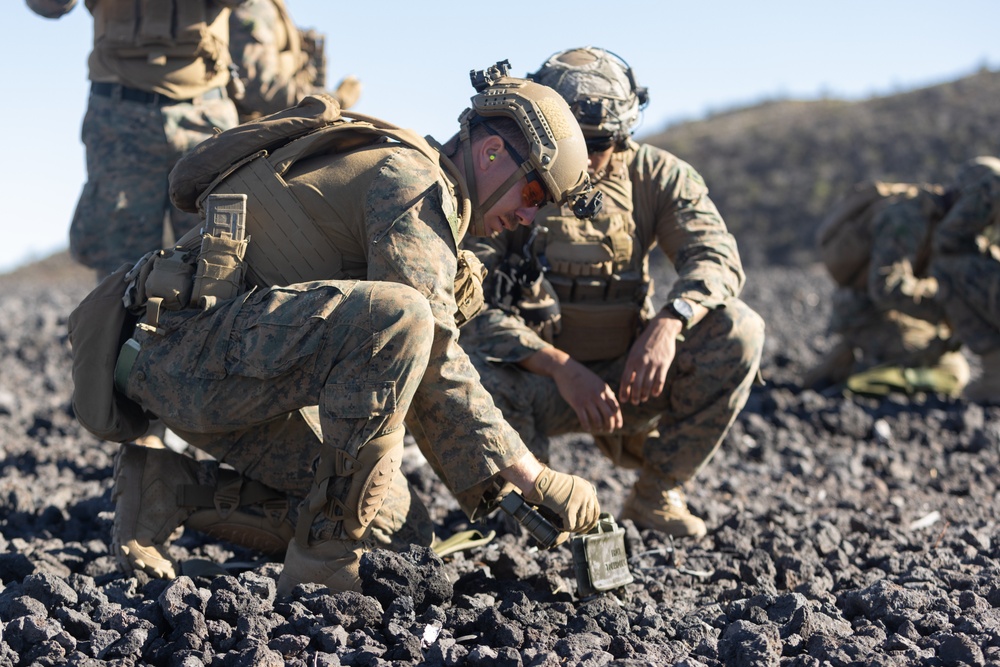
x: 331, y: 556
x: 332, y: 563
x: 157, y: 493
x: 986, y: 388
x: 146, y: 509
x: 659, y: 504
x: 241, y: 511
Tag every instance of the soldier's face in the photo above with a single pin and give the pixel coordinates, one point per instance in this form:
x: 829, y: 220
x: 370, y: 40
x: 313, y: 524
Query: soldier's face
x: 514, y: 206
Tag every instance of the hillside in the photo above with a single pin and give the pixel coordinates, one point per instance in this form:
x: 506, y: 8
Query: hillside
x: 776, y: 168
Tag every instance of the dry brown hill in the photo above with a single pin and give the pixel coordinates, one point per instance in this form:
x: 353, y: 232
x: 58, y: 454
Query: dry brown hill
x: 775, y: 168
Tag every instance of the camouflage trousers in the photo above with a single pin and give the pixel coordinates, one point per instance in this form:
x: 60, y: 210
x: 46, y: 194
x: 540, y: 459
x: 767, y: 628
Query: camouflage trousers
x: 237, y: 381
x: 969, y: 288
x: 673, y: 435
x: 887, y: 336
x: 124, y: 210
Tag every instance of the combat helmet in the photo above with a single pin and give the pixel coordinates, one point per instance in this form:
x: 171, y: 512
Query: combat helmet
x: 557, y: 152
x: 601, y: 90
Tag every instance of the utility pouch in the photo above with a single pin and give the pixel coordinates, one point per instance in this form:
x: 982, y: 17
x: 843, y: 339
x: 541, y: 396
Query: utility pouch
x: 599, y: 558
x: 469, y: 287
x: 171, y: 279
x: 221, y: 268
x: 597, y: 331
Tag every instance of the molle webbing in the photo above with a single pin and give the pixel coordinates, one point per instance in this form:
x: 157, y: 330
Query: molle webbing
x: 161, y: 23
x: 287, y: 246
x: 294, y: 252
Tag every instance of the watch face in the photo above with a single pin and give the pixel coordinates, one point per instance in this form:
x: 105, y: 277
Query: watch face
x: 682, y: 309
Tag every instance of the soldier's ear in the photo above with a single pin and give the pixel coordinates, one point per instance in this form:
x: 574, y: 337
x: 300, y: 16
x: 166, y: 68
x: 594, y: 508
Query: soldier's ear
x: 488, y: 151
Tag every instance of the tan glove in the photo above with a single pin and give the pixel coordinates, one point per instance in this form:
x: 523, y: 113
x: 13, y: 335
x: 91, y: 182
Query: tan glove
x: 570, y: 500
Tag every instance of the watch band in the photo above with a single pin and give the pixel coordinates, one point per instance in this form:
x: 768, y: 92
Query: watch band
x: 681, y: 310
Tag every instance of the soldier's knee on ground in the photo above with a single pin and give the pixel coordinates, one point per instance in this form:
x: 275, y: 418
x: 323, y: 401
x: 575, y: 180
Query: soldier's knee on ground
x: 403, y: 519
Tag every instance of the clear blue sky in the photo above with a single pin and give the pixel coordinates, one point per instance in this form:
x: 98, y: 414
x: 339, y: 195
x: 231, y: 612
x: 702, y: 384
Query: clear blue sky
x: 414, y: 57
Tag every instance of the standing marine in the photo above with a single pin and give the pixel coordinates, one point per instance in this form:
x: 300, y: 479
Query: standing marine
x: 159, y: 74
x: 292, y: 347
x: 572, y: 342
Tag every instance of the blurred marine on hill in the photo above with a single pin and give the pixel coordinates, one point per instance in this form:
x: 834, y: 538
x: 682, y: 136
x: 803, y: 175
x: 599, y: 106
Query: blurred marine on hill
x: 776, y: 169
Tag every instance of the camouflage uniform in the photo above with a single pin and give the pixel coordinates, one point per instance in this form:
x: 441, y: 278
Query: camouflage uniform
x: 891, y: 316
x: 279, y: 63
x: 710, y: 378
x: 143, y: 114
x: 275, y: 71
x: 370, y: 342
x: 967, y: 264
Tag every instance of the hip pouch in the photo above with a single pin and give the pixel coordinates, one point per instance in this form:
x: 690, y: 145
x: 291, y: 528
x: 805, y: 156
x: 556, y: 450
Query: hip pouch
x: 98, y: 328
x: 597, y: 331
x: 469, y: 287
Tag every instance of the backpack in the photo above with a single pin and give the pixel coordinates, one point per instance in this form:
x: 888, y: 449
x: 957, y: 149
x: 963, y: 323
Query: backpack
x: 252, y: 159
x: 844, y: 238
x: 97, y: 329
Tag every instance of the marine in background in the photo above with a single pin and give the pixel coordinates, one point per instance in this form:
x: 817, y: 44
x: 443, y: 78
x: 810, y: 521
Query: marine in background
x: 159, y: 73
x: 893, y: 334
x: 572, y: 342
x: 279, y: 63
x: 966, y: 265
x: 292, y: 350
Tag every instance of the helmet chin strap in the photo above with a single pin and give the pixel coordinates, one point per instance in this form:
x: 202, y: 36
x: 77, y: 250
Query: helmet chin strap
x: 477, y: 223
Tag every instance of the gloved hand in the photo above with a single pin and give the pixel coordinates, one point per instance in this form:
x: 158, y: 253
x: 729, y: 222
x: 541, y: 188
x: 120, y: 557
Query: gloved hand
x: 540, y: 310
x: 567, y: 500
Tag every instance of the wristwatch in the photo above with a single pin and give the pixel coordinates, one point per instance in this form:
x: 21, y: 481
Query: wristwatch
x: 679, y: 309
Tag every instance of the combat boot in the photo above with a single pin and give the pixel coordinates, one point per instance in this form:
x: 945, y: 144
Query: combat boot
x: 986, y: 389
x: 241, y: 511
x: 350, y: 492
x: 157, y: 492
x: 334, y: 563
x: 659, y: 504
x: 146, y: 508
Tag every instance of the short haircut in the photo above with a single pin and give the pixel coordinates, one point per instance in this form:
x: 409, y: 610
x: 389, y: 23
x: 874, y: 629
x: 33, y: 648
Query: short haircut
x: 507, y: 128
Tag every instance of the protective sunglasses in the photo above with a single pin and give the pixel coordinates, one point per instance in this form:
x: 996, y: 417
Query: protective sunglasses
x: 533, y: 195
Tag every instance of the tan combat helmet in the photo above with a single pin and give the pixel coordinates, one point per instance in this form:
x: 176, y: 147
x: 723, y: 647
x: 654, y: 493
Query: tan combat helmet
x: 557, y: 150
x: 600, y: 88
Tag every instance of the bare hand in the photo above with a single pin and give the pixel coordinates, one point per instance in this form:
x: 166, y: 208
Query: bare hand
x: 649, y: 360
x: 592, y: 400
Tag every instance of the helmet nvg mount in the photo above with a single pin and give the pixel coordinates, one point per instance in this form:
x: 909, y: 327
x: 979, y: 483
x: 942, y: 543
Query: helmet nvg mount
x: 557, y: 152
x: 600, y: 87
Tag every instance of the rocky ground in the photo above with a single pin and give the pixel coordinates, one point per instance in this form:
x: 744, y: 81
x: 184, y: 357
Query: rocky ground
x: 843, y: 531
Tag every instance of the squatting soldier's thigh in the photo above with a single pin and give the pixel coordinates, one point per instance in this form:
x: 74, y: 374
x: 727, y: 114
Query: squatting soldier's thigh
x: 245, y: 363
